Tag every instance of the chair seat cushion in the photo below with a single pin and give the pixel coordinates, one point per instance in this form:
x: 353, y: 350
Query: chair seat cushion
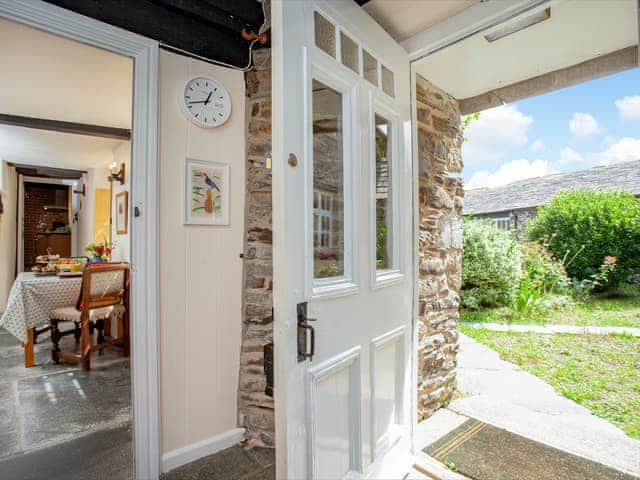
x: 72, y: 314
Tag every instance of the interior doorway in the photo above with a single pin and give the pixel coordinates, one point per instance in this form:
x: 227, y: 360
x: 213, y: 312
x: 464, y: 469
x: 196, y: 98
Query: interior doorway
x: 65, y: 145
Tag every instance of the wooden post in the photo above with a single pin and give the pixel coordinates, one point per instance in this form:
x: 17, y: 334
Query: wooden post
x: 29, y: 357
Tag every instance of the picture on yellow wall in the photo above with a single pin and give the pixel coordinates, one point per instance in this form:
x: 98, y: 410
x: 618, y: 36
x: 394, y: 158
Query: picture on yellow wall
x: 122, y: 213
x: 207, y: 193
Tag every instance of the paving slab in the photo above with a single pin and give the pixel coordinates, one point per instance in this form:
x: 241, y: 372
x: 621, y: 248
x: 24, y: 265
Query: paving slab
x: 500, y: 393
x: 551, y: 329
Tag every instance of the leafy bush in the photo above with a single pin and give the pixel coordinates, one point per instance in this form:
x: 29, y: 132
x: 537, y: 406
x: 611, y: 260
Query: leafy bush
x: 543, y: 269
x: 491, y: 265
x: 583, y: 227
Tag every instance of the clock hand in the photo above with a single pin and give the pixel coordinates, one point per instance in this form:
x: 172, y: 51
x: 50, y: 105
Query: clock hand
x: 208, y: 98
x: 199, y: 101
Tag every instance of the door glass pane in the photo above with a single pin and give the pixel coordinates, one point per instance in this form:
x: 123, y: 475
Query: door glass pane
x: 387, y: 81
x: 349, y: 50
x: 328, y: 182
x: 384, y: 210
x: 325, y: 34
x: 369, y: 67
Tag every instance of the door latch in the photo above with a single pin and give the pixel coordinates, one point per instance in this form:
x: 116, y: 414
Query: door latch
x: 306, y: 334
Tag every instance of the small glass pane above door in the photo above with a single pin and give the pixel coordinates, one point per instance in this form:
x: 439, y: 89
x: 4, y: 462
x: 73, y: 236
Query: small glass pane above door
x: 383, y: 193
x: 328, y: 182
x: 387, y: 81
x: 325, y: 33
x: 369, y: 68
x: 349, y: 50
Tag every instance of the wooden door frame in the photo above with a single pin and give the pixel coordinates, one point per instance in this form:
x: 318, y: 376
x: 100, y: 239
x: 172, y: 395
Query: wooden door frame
x: 144, y: 176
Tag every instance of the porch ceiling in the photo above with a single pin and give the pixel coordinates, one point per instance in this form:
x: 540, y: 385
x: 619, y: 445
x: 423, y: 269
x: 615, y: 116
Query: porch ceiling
x: 404, y: 18
x: 576, y: 32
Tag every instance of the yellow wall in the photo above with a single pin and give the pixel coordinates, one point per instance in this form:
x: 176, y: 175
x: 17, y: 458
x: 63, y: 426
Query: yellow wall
x: 200, y: 272
x: 8, y: 190
x: 101, y: 215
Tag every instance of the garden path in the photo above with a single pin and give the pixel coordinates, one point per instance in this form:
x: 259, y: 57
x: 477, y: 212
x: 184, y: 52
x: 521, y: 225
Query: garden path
x: 550, y: 329
x: 500, y: 393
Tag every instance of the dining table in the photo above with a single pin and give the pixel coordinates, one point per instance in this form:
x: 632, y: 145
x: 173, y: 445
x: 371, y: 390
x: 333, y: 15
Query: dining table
x: 31, y: 299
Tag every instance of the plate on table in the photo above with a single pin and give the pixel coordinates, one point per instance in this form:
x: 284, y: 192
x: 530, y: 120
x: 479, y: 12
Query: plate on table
x: 69, y: 274
x: 44, y: 274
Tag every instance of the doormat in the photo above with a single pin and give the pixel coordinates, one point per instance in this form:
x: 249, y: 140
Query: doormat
x: 484, y: 452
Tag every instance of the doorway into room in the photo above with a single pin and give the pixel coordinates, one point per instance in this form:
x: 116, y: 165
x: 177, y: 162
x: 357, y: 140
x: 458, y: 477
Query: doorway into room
x: 65, y: 152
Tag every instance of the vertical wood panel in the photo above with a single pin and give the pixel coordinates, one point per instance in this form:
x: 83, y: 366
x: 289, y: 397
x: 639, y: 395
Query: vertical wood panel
x: 173, y: 247
x: 203, y: 270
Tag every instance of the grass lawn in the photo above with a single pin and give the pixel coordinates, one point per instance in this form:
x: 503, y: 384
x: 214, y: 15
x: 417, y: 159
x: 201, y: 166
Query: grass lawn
x: 602, y: 373
x: 618, y: 308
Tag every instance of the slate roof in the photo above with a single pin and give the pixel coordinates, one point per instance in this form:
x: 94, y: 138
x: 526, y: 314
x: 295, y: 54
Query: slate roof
x: 534, y: 192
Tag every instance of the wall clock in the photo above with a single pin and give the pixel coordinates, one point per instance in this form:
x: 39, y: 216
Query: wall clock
x: 205, y: 102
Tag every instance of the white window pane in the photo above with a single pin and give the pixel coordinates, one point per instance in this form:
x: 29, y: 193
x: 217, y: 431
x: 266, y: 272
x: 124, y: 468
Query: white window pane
x: 328, y: 176
x: 383, y: 190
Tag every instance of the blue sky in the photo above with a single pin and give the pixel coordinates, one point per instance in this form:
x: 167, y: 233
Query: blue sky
x: 590, y: 124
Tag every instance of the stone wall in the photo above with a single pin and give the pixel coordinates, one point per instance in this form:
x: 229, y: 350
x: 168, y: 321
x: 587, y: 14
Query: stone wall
x: 255, y: 407
x: 440, y: 243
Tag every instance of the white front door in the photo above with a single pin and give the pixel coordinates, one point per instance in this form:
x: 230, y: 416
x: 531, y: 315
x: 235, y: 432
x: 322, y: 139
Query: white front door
x: 343, y: 243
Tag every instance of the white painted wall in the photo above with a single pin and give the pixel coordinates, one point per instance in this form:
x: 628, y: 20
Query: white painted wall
x: 200, y: 272
x: 47, y: 76
x: 8, y: 190
x: 84, y: 206
x: 121, y: 154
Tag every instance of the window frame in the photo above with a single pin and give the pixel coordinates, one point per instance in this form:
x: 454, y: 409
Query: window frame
x: 325, y: 69
x: 379, y: 105
x: 497, y: 221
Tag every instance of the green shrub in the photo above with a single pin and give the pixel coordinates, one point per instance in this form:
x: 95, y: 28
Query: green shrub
x: 491, y: 265
x: 543, y: 269
x: 583, y: 227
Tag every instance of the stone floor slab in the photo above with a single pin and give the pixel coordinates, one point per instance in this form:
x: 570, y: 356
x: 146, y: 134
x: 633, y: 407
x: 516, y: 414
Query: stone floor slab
x: 501, y: 394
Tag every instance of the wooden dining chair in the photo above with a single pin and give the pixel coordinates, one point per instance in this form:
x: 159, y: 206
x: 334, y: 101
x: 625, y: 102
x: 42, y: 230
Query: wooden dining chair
x: 104, y: 294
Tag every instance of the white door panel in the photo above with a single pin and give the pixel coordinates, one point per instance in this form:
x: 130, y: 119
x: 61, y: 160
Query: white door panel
x: 342, y: 200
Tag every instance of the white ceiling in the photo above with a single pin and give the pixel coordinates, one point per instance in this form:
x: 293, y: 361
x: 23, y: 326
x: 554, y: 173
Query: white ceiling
x: 404, y: 18
x: 45, y: 76
x: 577, y: 31
x: 54, y: 149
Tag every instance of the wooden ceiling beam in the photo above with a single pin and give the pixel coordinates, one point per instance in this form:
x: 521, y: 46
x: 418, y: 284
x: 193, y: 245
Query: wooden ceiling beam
x: 602, y: 66
x: 65, y: 127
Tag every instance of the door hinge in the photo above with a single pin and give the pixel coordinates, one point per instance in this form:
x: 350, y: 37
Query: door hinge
x: 306, y: 334
x: 268, y: 368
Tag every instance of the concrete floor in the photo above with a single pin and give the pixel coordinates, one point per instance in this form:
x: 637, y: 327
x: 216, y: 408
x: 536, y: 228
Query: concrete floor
x: 500, y: 393
x: 57, y: 421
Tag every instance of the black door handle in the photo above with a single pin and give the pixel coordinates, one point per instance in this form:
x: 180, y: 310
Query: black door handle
x: 304, y: 329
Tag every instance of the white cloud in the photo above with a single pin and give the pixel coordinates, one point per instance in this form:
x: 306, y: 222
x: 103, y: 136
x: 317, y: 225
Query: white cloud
x: 629, y: 107
x: 510, y: 172
x: 537, y: 146
x: 624, y: 150
x: 583, y: 124
x: 568, y: 156
x: 496, y: 132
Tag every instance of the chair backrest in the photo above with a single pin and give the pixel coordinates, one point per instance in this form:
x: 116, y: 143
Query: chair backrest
x: 104, y: 284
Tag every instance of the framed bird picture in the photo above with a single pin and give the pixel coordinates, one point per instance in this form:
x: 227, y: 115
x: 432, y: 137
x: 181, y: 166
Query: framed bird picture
x: 207, y: 193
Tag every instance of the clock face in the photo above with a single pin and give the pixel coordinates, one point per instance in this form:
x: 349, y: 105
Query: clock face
x: 205, y: 102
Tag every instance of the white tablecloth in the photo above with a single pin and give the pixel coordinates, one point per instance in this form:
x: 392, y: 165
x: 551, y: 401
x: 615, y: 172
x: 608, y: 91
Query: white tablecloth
x: 32, y: 298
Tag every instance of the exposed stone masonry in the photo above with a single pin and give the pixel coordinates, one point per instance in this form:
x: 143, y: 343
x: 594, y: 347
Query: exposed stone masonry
x: 440, y: 244
x: 255, y: 408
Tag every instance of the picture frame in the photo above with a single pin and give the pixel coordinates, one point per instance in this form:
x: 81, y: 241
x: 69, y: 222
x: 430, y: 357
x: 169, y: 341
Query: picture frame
x: 122, y: 213
x: 206, y: 193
